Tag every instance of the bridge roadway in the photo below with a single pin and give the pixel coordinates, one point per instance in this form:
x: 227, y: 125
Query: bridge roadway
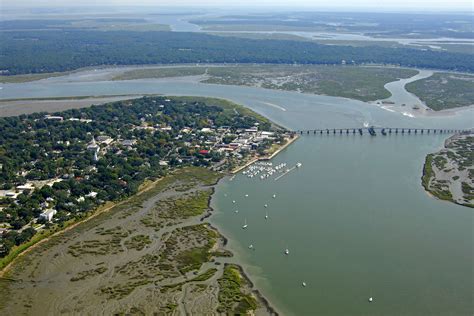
x: 382, y: 130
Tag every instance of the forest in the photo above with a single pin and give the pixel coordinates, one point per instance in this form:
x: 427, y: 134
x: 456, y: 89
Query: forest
x: 25, y: 52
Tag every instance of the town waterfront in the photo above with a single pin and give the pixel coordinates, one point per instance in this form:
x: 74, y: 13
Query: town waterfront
x: 355, y: 218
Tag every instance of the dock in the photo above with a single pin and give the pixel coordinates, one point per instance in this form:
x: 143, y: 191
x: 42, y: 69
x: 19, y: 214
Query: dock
x: 255, y: 159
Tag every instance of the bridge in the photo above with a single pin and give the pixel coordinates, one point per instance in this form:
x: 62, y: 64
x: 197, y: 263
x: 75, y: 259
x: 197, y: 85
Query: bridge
x: 373, y: 131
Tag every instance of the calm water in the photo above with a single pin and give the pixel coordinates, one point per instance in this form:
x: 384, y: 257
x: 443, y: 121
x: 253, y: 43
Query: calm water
x: 355, y: 217
x: 357, y: 223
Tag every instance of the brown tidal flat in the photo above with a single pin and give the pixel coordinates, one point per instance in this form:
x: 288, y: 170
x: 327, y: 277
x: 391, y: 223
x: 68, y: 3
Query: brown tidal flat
x: 153, y: 254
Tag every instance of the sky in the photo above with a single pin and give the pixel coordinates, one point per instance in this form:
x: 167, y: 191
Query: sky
x: 417, y: 5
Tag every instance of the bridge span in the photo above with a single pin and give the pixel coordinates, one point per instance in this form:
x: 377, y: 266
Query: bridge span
x: 373, y: 131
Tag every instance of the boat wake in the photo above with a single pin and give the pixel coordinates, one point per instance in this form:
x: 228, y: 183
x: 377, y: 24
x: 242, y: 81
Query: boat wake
x: 273, y: 105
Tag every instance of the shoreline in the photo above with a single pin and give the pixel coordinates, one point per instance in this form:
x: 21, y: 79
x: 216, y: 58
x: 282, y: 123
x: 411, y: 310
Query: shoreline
x: 263, y: 302
x: 274, y: 154
x: 426, y: 111
x: 205, y: 219
x: 438, y: 181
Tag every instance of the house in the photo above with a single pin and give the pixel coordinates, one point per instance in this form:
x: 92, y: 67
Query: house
x: 204, y: 152
x: 129, y: 142
x: 48, y: 214
x: 91, y: 194
x: 206, y: 130
x: 55, y: 118
x: 26, y: 187
x: 93, y: 145
x: 163, y: 163
x: 104, y: 139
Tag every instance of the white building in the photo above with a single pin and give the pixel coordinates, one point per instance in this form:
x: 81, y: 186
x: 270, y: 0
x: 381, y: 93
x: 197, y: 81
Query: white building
x: 48, y: 214
x: 93, y: 145
x: 55, y: 118
x: 91, y: 194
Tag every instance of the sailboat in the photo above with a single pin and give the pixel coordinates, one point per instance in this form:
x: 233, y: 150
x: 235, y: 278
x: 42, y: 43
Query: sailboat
x: 245, y: 224
x: 266, y: 215
x: 371, y: 299
x: 287, y: 252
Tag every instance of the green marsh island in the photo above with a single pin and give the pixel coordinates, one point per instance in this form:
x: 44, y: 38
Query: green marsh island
x: 449, y: 173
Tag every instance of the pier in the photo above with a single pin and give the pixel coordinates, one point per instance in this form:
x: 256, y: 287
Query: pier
x: 374, y: 131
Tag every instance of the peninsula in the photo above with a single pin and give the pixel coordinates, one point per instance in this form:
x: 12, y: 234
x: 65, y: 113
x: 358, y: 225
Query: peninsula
x: 115, y: 199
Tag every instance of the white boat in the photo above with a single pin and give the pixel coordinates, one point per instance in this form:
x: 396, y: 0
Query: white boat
x: 266, y: 215
x: 287, y: 252
x: 233, y: 201
x: 298, y: 165
x: 266, y: 205
x: 304, y: 284
x: 274, y: 195
x: 236, y: 211
x: 246, y: 195
x: 370, y: 299
x: 250, y: 246
x: 245, y: 224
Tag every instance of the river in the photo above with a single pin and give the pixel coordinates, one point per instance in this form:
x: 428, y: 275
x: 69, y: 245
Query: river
x: 355, y: 218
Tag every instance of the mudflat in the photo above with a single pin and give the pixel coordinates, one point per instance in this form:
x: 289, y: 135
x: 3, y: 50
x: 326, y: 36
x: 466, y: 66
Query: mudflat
x: 153, y: 253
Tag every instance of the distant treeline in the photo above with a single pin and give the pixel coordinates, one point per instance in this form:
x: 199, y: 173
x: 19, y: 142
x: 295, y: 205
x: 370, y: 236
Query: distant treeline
x: 24, y: 52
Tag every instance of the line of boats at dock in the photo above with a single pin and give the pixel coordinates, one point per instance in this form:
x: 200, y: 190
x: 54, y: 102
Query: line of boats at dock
x: 265, y: 170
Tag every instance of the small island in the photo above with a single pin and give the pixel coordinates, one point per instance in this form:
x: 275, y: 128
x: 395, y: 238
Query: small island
x: 115, y: 199
x: 449, y: 173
